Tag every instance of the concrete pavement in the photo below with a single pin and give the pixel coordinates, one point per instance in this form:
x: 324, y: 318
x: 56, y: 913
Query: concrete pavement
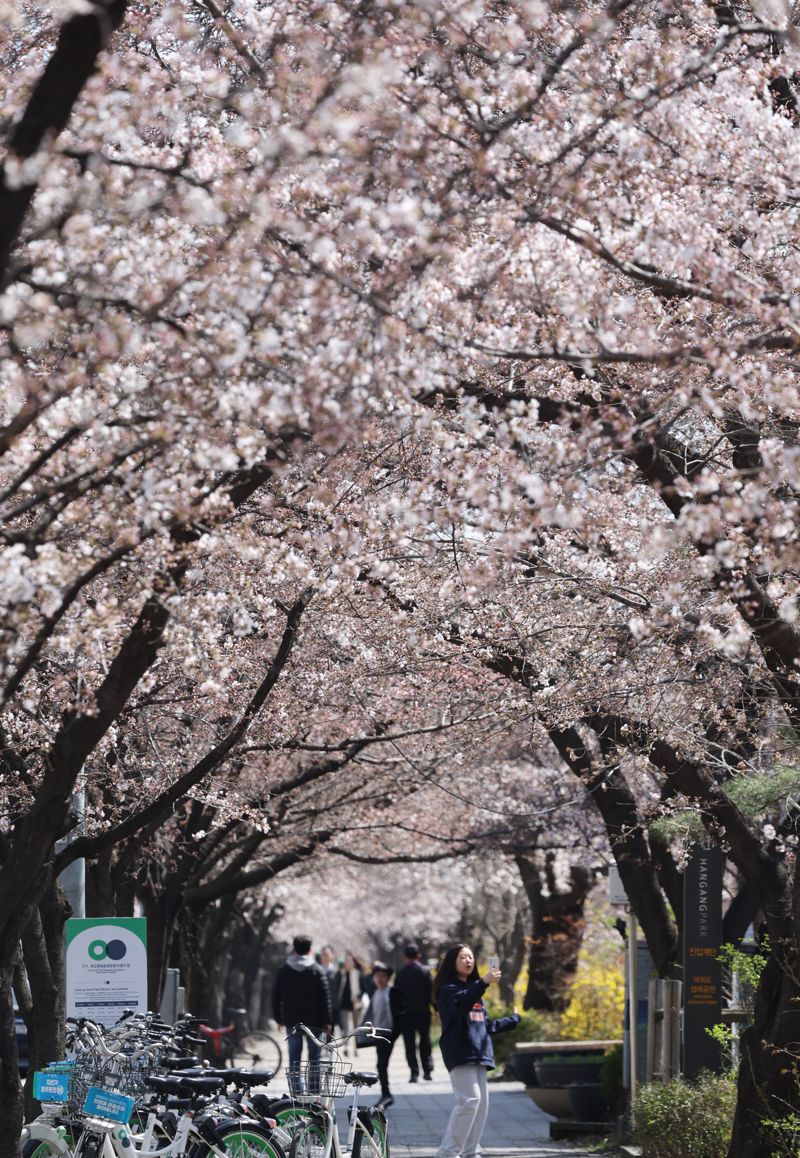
x: 516, y: 1127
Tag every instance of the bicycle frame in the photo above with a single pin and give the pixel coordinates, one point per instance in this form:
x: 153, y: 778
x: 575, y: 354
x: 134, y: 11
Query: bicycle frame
x: 324, y: 1112
x: 215, y: 1036
x: 333, y: 1145
x: 253, y: 1047
x: 118, y: 1142
x: 356, y: 1123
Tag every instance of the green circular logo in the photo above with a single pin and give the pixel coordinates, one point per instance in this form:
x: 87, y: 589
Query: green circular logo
x: 107, y: 950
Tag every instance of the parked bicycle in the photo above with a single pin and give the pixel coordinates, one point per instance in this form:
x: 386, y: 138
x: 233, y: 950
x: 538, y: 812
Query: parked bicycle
x: 329, y: 1078
x: 199, y: 1131
x: 113, y: 1058
x: 237, y: 1045
x: 137, y: 1091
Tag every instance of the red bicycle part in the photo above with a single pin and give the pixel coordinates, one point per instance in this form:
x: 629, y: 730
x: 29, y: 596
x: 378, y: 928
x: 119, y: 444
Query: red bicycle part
x: 216, y: 1036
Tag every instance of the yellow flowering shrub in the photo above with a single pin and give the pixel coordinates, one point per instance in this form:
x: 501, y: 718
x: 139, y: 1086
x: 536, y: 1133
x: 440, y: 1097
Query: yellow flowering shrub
x: 596, y: 1002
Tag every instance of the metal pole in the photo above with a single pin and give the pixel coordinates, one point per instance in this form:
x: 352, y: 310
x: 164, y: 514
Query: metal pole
x: 633, y: 1050
x: 73, y: 878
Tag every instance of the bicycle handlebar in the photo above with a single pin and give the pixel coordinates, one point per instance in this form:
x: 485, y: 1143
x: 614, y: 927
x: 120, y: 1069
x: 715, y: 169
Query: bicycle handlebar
x: 374, y: 1031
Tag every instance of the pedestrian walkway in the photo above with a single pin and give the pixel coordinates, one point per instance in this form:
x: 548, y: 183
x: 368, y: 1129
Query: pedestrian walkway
x: 516, y: 1128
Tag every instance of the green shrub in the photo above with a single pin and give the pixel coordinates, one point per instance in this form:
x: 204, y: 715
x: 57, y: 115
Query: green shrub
x: 572, y: 1059
x: 686, y: 1118
x: 783, y: 1134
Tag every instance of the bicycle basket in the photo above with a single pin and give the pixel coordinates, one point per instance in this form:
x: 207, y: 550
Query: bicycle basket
x: 117, y: 1073
x: 323, y: 1078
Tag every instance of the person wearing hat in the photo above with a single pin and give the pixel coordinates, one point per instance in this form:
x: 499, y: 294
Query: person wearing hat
x: 415, y: 982
x: 385, y: 1011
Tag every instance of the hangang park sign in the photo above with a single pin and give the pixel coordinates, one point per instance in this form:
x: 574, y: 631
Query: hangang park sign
x: 106, y: 967
x: 702, y: 935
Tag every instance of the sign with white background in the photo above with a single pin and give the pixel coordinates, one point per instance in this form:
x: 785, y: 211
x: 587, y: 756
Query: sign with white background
x: 106, y: 967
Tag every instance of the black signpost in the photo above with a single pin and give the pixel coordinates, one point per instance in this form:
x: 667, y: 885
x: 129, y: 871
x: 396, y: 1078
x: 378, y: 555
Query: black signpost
x: 702, y: 934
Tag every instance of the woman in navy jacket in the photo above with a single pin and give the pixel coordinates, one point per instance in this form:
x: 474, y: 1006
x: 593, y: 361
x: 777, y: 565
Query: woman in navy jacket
x: 466, y: 1047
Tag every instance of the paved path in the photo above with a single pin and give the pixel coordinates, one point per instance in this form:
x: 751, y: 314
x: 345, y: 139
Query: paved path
x: 516, y: 1128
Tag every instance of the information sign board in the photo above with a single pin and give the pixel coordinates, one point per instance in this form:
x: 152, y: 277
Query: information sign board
x: 50, y: 1087
x: 106, y: 967
x: 616, y: 892
x: 702, y: 935
x: 107, y: 1104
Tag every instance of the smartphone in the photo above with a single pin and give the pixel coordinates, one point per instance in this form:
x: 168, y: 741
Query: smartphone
x: 494, y: 962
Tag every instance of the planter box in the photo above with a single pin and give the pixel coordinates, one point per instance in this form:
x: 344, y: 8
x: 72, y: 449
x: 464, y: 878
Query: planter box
x: 522, y: 1067
x: 587, y: 1103
x: 553, y: 1102
x: 523, y: 1059
x: 557, y: 1070
x: 555, y: 1099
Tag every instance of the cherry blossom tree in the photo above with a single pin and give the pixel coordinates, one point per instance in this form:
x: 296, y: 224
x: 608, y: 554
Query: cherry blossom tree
x: 480, y: 316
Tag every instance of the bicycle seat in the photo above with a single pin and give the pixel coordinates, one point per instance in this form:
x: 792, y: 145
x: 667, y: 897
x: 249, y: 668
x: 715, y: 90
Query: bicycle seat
x: 181, y: 1084
x: 182, y: 1063
x: 200, y: 1085
x: 360, y: 1078
x: 249, y: 1078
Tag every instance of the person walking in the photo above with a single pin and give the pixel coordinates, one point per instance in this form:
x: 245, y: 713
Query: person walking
x: 385, y: 1011
x: 327, y: 960
x: 301, y: 994
x: 416, y: 984
x: 466, y: 1047
x: 349, y: 1000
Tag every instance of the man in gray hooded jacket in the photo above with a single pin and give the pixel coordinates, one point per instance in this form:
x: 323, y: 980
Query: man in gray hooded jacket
x: 301, y: 993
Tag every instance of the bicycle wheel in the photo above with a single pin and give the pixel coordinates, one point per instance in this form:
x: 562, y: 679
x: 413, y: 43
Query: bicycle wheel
x: 309, y: 1141
x: 40, y: 1148
x: 258, y: 1051
x: 372, y: 1134
x: 289, y: 1116
x: 249, y: 1140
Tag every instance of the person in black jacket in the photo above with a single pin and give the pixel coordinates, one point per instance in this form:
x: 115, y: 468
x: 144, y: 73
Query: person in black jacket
x: 415, y: 983
x: 385, y: 1011
x: 301, y: 994
x: 466, y: 1047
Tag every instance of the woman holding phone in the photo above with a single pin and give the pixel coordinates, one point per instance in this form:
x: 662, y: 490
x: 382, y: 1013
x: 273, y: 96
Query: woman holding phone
x: 466, y: 1046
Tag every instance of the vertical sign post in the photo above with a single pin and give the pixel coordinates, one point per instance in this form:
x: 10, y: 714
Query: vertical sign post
x: 618, y: 896
x: 633, y: 1003
x: 638, y: 970
x: 702, y: 934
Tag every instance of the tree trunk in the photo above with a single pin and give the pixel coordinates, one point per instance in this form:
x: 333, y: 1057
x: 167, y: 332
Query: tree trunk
x: 71, y: 65
x: 512, y: 958
x: 769, y: 1070
x: 604, y: 779
x: 557, y: 931
x: 99, y: 887
x: 212, y: 930
x: 162, y: 911
x: 44, y: 957
x: 10, y: 1084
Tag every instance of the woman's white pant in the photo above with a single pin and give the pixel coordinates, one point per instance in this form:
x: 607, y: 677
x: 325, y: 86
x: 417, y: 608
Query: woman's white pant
x: 347, y: 1025
x: 462, y: 1138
